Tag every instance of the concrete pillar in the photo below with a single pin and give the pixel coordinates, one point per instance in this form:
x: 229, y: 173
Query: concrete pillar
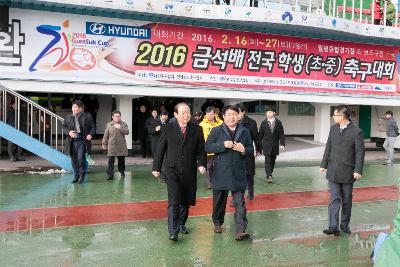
x: 124, y: 104
x: 322, y: 122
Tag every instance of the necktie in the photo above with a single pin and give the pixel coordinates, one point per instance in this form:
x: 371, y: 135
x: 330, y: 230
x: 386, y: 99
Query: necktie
x: 183, y: 130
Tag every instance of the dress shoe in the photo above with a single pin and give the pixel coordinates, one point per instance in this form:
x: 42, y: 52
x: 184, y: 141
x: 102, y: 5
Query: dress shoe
x: 331, y: 232
x: 270, y: 179
x: 183, y: 230
x: 122, y: 175
x: 110, y: 178
x: 173, y: 237
x: 346, y: 230
x: 241, y: 236
x: 217, y: 229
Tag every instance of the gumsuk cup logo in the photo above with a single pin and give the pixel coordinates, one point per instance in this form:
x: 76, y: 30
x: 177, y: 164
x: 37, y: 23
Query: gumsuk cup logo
x: 97, y: 28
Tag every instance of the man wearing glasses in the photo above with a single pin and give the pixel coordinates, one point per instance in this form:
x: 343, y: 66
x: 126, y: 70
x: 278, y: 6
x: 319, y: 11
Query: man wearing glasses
x: 343, y: 162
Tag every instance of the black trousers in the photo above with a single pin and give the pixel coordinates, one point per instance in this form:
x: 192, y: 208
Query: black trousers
x: 219, y: 204
x: 269, y: 164
x: 78, y: 150
x: 340, y: 195
x: 145, y: 145
x: 121, y: 165
x: 250, y: 185
x: 228, y: 2
x: 177, y: 216
x: 254, y: 3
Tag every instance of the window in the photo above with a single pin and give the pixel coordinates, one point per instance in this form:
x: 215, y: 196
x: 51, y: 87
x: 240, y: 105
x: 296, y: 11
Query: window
x: 300, y: 109
x: 259, y: 106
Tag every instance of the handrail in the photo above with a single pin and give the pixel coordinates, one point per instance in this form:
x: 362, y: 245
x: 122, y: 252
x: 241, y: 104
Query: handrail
x: 8, y: 90
x: 49, y: 124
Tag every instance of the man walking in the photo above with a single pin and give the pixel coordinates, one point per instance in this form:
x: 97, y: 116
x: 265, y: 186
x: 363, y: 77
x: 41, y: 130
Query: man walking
x: 251, y: 125
x: 181, y: 146
x: 231, y: 143
x: 155, y: 133
x: 272, y: 136
x: 80, y: 128
x: 391, y: 134
x: 343, y: 162
x: 209, y: 121
x: 115, y: 144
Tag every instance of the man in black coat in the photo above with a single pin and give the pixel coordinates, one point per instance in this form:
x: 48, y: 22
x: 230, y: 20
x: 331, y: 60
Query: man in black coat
x: 140, y: 121
x: 181, y: 146
x: 251, y: 125
x: 155, y: 132
x: 343, y: 163
x: 148, y: 124
x: 231, y: 143
x: 272, y: 137
x: 80, y: 128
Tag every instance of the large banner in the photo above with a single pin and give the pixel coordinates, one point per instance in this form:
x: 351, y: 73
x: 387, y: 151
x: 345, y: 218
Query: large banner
x: 54, y: 46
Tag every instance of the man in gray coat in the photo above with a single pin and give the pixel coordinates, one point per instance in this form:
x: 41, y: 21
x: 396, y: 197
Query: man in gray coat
x: 114, y: 142
x: 230, y: 142
x: 343, y: 162
x: 391, y: 134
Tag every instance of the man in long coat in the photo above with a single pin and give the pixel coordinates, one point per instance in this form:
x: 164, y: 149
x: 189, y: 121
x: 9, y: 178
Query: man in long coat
x: 80, y: 128
x: 181, y: 146
x: 115, y: 144
x: 272, y: 137
x: 251, y: 125
x: 231, y: 143
x: 343, y: 163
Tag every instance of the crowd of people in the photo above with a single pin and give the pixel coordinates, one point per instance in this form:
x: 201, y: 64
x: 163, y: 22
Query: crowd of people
x: 223, y: 144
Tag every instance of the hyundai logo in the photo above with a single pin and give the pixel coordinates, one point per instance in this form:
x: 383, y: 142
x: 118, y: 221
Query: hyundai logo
x: 97, y: 28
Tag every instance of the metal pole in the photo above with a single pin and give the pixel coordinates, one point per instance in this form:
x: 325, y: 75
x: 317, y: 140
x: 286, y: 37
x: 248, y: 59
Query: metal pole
x: 361, y: 10
x: 384, y: 14
x: 309, y: 7
x: 352, y: 10
x: 330, y: 8
x: 296, y: 3
x: 334, y: 8
x: 344, y: 9
x: 397, y: 12
x: 373, y: 12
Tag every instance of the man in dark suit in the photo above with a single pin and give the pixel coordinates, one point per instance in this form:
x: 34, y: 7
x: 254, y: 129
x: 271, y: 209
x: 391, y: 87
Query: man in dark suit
x: 251, y: 125
x: 155, y: 132
x: 343, y: 163
x: 272, y: 137
x: 80, y: 128
x: 181, y: 146
x: 231, y: 143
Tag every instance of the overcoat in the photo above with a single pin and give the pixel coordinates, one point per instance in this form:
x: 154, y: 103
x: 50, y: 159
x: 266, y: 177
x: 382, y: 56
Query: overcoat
x: 87, y: 127
x: 114, y: 139
x: 229, y: 171
x: 344, y: 154
x: 182, y: 156
x: 271, y: 141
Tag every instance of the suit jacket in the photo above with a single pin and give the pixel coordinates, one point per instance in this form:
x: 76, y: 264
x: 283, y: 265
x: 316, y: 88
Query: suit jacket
x: 251, y: 125
x: 182, y: 157
x: 271, y: 141
x: 87, y: 127
x: 344, y: 154
x: 229, y: 170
